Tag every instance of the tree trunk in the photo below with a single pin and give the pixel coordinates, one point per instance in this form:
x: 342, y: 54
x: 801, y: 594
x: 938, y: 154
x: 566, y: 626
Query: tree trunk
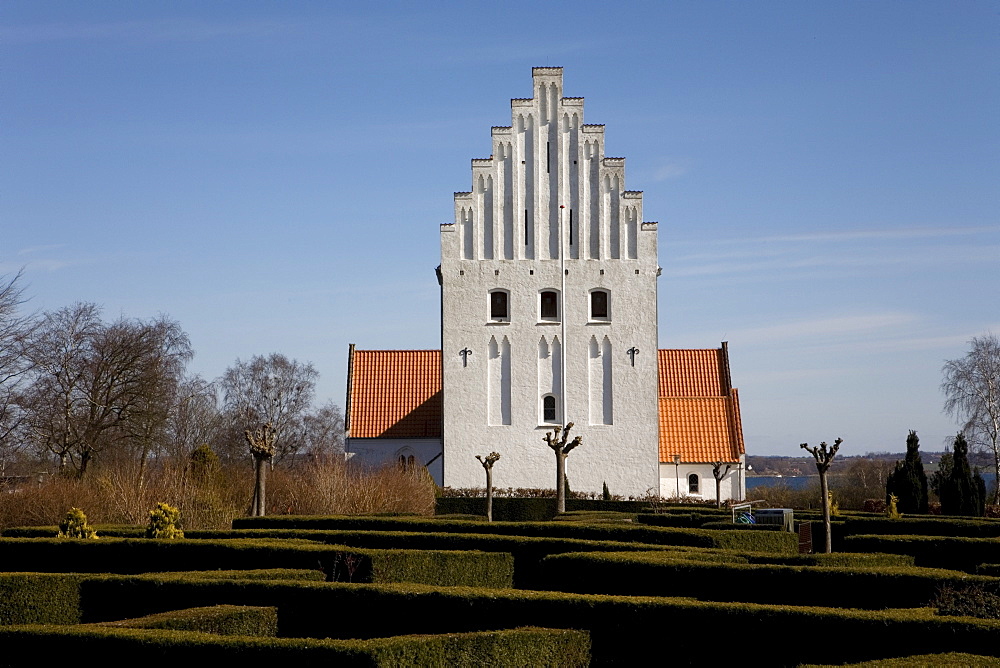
x: 996, y: 469
x: 560, y: 482
x: 718, y: 492
x: 259, y: 487
x: 489, y: 495
x: 825, y: 491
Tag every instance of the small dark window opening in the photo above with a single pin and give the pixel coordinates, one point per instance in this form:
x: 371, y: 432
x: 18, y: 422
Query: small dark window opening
x: 498, y: 305
x: 407, y: 463
x: 693, y: 483
x: 549, y: 408
x: 598, y: 304
x: 550, y: 305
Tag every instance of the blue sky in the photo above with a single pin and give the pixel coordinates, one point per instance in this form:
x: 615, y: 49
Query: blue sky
x: 272, y: 175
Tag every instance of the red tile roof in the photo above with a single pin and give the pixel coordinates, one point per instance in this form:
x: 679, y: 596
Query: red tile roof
x: 699, y: 409
x: 692, y: 373
x: 397, y: 394
x: 394, y: 394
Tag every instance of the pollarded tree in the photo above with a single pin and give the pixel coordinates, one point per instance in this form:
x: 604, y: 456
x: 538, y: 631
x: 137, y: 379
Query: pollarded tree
x: 824, y: 457
x: 972, y: 395
x: 719, y: 474
x: 908, y: 482
x: 561, y: 448
x: 268, y: 398
x: 488, y: 463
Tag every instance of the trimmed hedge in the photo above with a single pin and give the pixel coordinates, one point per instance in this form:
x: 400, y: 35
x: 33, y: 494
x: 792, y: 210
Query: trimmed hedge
x: 952, y: 660
x: 311, y: 575
x: 531, y: 509
x: 850, y: 559
x: 962, y: 554
x: 665, y: 574
x: 600, y: 532
x: 226, y: 620
x: 157, y: 647
x: 39, y: 598
x: 684, y: 520
x: 124, y: 555
x: 624, y: 629
x: 922, y: 526
x: 103, y: 530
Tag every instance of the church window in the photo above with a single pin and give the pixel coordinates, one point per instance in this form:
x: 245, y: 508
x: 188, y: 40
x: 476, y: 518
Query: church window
x: 499, y: 307
x: 599, y: 305
x: 693, y: 484
x: 549, y: 306
x: 548, y: 408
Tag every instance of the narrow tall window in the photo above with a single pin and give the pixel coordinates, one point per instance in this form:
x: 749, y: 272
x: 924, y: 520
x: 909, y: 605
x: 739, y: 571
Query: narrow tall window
x: 548, y: 408
x: 549, y: 305
x: 498, y: 305
x: 599, y: 305
x: 693, y: 484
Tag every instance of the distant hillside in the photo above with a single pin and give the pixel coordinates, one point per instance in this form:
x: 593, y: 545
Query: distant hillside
x: 774, y: 465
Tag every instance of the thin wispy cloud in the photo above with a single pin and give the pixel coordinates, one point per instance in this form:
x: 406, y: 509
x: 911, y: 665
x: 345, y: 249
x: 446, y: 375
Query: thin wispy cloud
x: 838, y: 326
x: 853, y: 235
x: 143, y: 31
x: 30, y: 250
x: 670, y: 170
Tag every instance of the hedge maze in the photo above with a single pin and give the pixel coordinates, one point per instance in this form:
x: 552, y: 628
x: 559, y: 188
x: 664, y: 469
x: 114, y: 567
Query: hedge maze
x: 596, y: 586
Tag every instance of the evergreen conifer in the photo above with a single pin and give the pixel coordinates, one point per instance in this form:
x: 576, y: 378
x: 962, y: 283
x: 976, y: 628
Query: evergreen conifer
x: 908, y: 480
x: 960, y: 492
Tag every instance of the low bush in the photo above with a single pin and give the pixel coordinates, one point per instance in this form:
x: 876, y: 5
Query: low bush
x: 968, y: 600
x: 164, y: 523
x: 75, y: 526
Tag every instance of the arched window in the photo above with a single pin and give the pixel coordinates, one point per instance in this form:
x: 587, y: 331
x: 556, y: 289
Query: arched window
x: 693, y: 484
x: 549, y: 305
x: 599, y: 305
x: 548, y: 408
x: 499, y: 306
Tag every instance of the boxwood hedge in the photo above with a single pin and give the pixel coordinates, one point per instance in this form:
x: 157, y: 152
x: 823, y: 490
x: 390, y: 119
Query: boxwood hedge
x: 158, y: 647
x: 624, y: 629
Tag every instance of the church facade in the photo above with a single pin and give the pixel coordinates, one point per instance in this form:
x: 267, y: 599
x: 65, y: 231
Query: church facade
x: 548, y: 282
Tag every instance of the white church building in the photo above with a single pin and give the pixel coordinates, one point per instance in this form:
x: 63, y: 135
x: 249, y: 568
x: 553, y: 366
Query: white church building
x: 549, y: 315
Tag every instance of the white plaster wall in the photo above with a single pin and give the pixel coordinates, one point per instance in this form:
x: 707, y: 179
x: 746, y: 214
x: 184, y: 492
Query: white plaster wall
x: 375, y: 452
x: 733, y: 485
x: 570, y: 171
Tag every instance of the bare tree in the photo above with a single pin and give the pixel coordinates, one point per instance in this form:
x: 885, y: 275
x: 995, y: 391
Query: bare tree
x: 824, y: 456
x: 719, y: 474
x: 323, y: 432
x: 14, y: 329
x: 971, y: 387
x: 95, y: 386
x: 194, y: 418
x: 562, y: 449
x: 488, y: 463
x: 270, y: 390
